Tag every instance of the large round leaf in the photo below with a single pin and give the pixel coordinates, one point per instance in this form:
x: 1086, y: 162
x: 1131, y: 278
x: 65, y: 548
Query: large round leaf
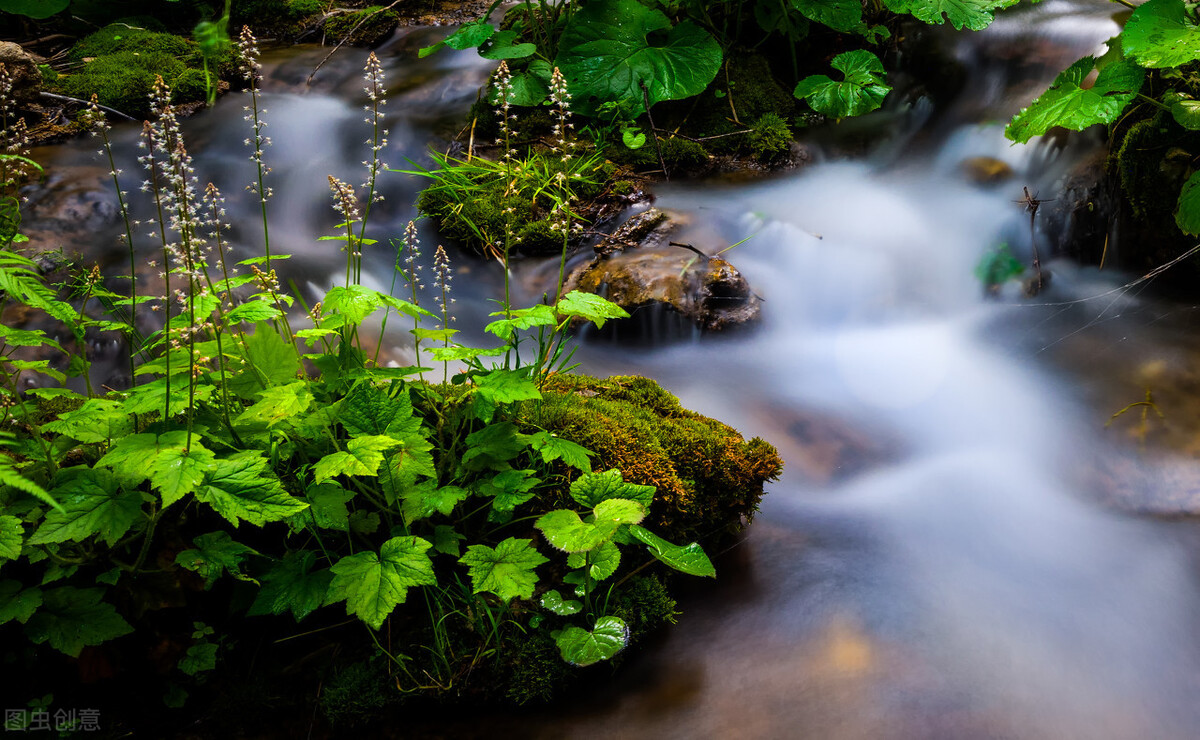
x: 582, y: 648
x: 1162, y: 33
x: 37, y: 9
x: 1188, y: 215
x: 612, y: 48
x: 861, y: 92
x: 1069, y: 105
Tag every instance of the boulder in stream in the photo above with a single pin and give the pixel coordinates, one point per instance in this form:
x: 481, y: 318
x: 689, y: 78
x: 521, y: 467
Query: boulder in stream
x: 23, y: 70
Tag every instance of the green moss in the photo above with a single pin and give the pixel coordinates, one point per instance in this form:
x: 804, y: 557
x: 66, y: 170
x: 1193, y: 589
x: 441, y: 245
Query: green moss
x: 677, y: 153
x: 1152, y: 163
x: 645, y: 604
x: 119, y: 37
x: 280, y: 18
x: 124, y: 80
x: 355, y: 695
x: 709, y: 479
x: 377, y: 27
x: 537, y: 673
x: 770, y: 136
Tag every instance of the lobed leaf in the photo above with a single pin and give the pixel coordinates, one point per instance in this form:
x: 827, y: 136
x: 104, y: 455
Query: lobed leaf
x: 507, y: 570
x: 553, y: 447
x: 1069, y: 105
x: 214, y: 554
x: 92, y: 504
x: 1162, y: 33
x: 589, y: 307
x: 72, y: 618
x: 240, y: 488
x: 292, y: 585
x: 590, y: 489
x: 862, y: 90
x: 17, y: 603
x: 373, y: 585
x: 12, y: 536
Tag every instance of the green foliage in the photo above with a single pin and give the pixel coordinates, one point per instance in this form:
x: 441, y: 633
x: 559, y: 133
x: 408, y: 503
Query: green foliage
x: 607, y: 55
x: 861, y: 91
x: 37, y: 9
x: 998, y: 266
x: 583, y: 647
x: 975, y: 15
x: 367, y: 27
x: 1068, y: 104
x: 1162, y: 33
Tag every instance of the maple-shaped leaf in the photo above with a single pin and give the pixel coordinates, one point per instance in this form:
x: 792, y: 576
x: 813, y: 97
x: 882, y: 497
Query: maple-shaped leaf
x: 71, y: 618
x: 292, y: 585
x: 242, y: 488
x: 363, y: 456
x: 428, y: 498
x: 590, y: 489
x: 12, y: 535
x: 92, y: 504
x: 97, y: 420
x: 17, y: 603
x: 372, y: 585
x: 277, y: 403
x: 553, y: 447
x: 213, y: 554
x: 507, y: 570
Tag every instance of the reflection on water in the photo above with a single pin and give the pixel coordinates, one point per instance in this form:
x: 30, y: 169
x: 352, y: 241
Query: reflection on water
x: 934, y: 563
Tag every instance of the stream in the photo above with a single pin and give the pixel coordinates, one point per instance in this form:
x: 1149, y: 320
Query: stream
x: 959, y: 546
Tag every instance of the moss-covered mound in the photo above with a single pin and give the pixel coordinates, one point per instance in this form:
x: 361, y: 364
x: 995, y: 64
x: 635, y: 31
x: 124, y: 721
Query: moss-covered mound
x: 709, y: 478
x: 280, y: 19
x: 118, y: 64
x: 367, y: 27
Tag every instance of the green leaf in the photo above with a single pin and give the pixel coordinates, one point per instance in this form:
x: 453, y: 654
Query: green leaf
x: 507, y: 571
x: 840, y: 15
x: 241, y: 488
x: 862, y: 90
x: 973, y: 14
x: 176, y: 471
x: 253, y: 311
x: 27, y: 338
x: 12, y: 536
x: 425, y: 500
x: 326, y: 508
x: 97, y: 420
x: 615, y: 50
x: 272, y: 356
x: 589, y: 307
x: 93, y: 504
x: 200, y: 657
x: 493, y: 446
x: 11, y: 477
x: 468, y: 36
x: 619, y: 510
x: 507, y: 386
x: 501, y: 46
x: 1162, y: 33
x: 438, y: 335
x: 373, y: 585
x: 582, y: 648
x: 509, y: 488
x: 369, y: 409
x: 214, y: 554
x: 452, y: 354
x: 278, y: 403
x: 688, y: 559
x: 355, y: 302
x: 525, y: 318
x: 17, y: 603
x: 528, y: 88
x: 72, y: 618
x: 552, y: 447
x: 604, y: 561
x: 566, y: 531
x: 1187, y: 114
x: 36, y: 9
x: 363, y: 456
x: 592, y: 488
x: 445, y: 540
x: 1068, y: 105
x: 1188, y: 215
x: 292, y: 585
x: 554, y: 602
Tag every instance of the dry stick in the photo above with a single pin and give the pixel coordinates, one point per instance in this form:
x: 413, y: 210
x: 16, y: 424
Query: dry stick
x: 346, y: 38
x: 653, y: 130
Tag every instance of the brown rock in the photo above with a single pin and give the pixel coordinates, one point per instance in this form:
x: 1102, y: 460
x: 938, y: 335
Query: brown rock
x: 22, y: 68
x: 986, y: 170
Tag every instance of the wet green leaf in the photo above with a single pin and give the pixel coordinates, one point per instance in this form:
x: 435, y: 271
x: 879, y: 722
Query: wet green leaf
x: 17, y: 603
x: 566, y: 531
x: 553, y: 447
x: 973, y: 14
x: 12, y: 536
x: 604, y: 561
x: 582, y: 648
x: 840, y: 15
x: 72, y: 618
x: 292, y: 585
x: 1162, y: 33
x: 214, y: 554
x: 372, y: 585
x: 363, y: 456
x: 93, y: 504
x: 1068, y: 105
x: 241, y: 488
x: 688, y: 558
x: 862, y: 90
x: 1188, y: 214
x: 507, y: 570
x: 590, y: 489
x: 589, y: 307
x: 554, y: 602
x: 625, y: 52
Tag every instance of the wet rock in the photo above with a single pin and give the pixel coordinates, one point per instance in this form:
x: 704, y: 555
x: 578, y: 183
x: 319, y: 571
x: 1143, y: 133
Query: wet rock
x: 986, y: 170
x: 633, y: 232
x: 22, y: 67
x: 827, y: 449
x: 706, y: 293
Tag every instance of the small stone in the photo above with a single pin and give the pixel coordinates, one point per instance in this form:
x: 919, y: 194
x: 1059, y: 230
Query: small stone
x: 986, y: 170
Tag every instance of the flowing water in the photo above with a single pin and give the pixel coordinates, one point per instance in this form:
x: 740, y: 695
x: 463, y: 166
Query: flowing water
x: 942, y: 558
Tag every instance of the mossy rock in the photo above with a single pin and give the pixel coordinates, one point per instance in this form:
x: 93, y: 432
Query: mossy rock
x: 119, y: 63
x: 377, y: 26
x: 709, y: 478
x: 280, y: 18
x: 677, y: 153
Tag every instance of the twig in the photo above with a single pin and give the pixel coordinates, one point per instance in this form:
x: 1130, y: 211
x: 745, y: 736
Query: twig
x: 714, y: 136
x: 346, y: 38
x: 688, y: 246
x: 653, y: 131
x: 68, y: 99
